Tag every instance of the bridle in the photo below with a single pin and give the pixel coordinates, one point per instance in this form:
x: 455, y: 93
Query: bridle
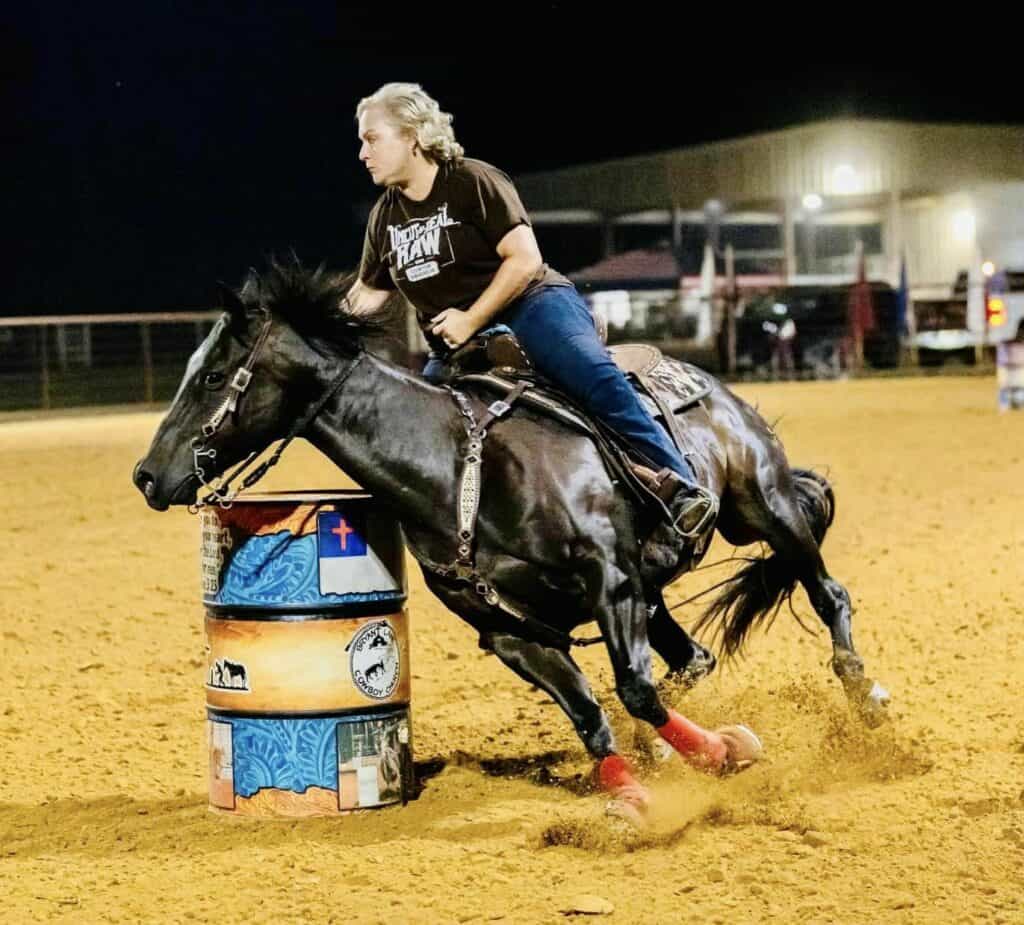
x: 223, y: 494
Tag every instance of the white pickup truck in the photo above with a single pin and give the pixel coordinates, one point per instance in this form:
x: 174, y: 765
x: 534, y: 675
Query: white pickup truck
x: 1004, y: 306
x: 979, y: 312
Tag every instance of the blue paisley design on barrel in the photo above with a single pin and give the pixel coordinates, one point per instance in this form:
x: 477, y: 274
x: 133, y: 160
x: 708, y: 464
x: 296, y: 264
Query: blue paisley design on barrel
x: 271, y: 569
x: 281, y: 569
x: 284, y: 754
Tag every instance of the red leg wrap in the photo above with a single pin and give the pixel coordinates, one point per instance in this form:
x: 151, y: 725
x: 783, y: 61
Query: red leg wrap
x: 615, y: 774
x: 701, y: 748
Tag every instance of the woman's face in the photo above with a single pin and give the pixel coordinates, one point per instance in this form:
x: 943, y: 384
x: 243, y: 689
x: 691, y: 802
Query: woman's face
x: 385, y: 151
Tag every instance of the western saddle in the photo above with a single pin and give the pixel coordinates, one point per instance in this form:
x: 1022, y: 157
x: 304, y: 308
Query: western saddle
x: 494, y: 360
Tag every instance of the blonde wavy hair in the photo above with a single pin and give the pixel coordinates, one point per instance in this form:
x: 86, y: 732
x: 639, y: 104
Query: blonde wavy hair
x: 414, y: 111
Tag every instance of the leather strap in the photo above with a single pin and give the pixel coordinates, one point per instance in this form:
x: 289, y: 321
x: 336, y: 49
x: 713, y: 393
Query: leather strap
x: 464, y: 567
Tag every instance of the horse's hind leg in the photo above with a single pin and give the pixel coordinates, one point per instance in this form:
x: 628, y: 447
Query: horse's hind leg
x: 779, y: 517
x: 688, y: 661
x: 831, y: 602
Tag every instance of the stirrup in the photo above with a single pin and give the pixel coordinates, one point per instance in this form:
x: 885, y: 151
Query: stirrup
x: 702, y: 526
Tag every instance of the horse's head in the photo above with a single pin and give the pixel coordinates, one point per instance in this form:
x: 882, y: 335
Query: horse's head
x: 280, y: 342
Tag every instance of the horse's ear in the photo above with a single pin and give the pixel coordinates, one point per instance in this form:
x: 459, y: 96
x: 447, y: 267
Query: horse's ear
x: 229, y: 300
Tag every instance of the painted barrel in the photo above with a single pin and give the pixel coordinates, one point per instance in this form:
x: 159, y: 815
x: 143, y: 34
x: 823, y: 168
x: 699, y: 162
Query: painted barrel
x: 308, y: 675
x: 1010, y: 374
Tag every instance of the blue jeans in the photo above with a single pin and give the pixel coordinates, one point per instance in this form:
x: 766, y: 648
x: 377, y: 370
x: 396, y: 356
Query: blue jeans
x: 555, y: 328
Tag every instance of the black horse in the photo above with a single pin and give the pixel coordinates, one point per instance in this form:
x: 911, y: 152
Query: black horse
x: 557, y: 539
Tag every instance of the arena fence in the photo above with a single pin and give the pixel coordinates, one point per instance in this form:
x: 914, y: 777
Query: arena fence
x: 58, y: 362
x: 74, y: 360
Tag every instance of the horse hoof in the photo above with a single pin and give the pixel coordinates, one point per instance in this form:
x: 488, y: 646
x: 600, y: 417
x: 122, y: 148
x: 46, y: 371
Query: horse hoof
x: 874, y: 706
x: 743, y: 748
x: 661, y: 752
x: 699, y: 667
x: 627, y: 812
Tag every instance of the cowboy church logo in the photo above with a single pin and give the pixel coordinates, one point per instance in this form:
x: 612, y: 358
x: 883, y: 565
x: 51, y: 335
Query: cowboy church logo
x: 422, y: 246
x: 374, y: 660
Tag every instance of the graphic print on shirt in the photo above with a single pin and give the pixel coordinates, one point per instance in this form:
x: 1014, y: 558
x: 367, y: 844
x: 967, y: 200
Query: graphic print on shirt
x: 421, y: 246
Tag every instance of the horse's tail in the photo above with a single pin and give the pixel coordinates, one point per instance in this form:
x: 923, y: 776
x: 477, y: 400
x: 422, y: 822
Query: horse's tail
x: 758, y: 590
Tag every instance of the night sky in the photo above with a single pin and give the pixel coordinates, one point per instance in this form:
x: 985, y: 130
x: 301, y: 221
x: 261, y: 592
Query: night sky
x: 152, y: 148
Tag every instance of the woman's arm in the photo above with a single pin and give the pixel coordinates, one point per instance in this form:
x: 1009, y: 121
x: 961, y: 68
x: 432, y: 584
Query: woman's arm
x: 520, y: 261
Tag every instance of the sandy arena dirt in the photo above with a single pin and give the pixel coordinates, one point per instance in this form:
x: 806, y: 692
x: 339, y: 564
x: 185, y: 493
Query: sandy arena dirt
x: 103, y: 796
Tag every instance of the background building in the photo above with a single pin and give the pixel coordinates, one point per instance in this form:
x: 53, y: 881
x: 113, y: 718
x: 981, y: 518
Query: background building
x: 794, y: 202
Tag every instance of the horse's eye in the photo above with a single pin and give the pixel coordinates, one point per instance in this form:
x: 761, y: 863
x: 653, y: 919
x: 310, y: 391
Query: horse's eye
x: 213, y: 380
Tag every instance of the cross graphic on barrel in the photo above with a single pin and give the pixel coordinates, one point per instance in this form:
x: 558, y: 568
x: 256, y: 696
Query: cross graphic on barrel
x: 342, y: 534
x: 343, y: 530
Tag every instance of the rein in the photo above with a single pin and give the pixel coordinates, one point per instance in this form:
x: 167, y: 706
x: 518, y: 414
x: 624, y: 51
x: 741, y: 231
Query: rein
x: 223, y: 494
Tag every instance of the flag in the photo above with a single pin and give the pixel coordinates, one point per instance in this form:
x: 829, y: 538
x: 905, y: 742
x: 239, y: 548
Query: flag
x: 342, y: 535
x: 352, y: 556
x: 861, y: 318
x: 707, y: 273
x: 903, y: 300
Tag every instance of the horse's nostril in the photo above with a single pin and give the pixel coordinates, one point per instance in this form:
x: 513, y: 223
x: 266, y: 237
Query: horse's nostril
x: 143, y: 480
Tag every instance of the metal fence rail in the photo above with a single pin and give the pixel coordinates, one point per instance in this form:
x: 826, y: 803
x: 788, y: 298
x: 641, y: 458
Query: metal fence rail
x: 74, y: 360
x: 68, y: 361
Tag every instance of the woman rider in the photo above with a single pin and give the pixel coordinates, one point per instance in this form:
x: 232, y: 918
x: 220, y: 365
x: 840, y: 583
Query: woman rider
x: 452, y: 234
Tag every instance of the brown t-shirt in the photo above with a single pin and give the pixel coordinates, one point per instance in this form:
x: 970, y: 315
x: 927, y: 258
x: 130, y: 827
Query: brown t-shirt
x: 442, y: 252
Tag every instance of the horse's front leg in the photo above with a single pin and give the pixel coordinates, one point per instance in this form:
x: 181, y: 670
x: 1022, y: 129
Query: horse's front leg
x: 552, y: 670
x: 555, y: 672
x: 687, y: 660
x: 621, y: 612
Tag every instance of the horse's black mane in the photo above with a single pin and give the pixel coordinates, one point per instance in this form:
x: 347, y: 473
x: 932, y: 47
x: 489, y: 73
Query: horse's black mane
x: 313, y: 301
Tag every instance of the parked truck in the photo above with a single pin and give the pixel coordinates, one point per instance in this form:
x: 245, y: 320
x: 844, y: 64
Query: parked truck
x: 983, y: 309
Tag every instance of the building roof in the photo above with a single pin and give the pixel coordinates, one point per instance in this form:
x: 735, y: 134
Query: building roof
x: 857, y: 160
x: 637, y: 268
